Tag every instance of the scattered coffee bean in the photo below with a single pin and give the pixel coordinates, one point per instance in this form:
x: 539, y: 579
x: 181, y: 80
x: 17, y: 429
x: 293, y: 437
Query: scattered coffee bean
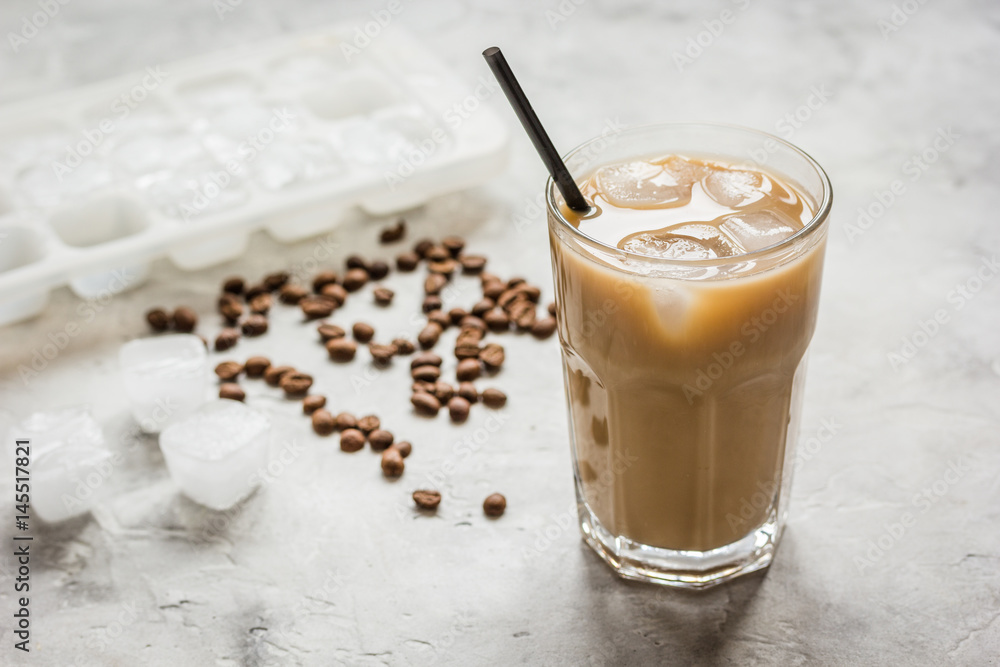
x: 427, y: 500
x: 316, y: 306
x: 434, y: 283
x: 273, y: 374
x: 392, y: 463
x: 356, y: 262
x: 494, y: 398
x: 185, y: 319
x: 232, y: 391
x: 230, y: 308
x: 407, y: 261
x: 445, y: 267
x: 380, y: 439
x: 234, y: 285
x: 228, y: 370
x: 276, y: 281
x: 468, y: 369
x: 493, y: 290
x: 292, y: 294
x: 552, y: 309
x: 403, y: 346
x: 466, y: 349
x: 458, y: 409
x: 453, y: 244
x: 295, y: 383
x: 507, y: 299
x: 494, y: 505
x: 425, y: 359
x: 226, y: 339
x: 378, y: 270
x: 369, y: 423
x: 261, y: 304
x: 352, y: 440
x: 255, y: 366
x: 383, y: 295
x: 422, y: 246
x: 255, y: 325
x: 322, y: 279
x: 482, y: 307
x: 253, y: 291
x: 381, y: 354
x: 437, y: 253
x: 440, y: 318
x: 363, y: 332
x: 329, y: 331
x: 456, y: 315
x: 393, y: 233
x: 492, y: 355
x: 158, y: 319
x: 514, y: 282
x: 322, y: 421
x: 532, y: 292
x: 497, y: 320
x: 422, y: 385
x: 467, y: 390
x: 543, y: 328
x: 341, y: 349
x: 472, y: 263
x: 431, y: 303
x: 311, y: 404
x: 425, y: 403
x: 429, y: 336
x: 426, y: 373
x: 346, y: 420
x: 335, y: 292
x: 473, y: 322
x: 355, y: 279
x: 442, y: 390
x: 403, y: 447
x: 522, y: 313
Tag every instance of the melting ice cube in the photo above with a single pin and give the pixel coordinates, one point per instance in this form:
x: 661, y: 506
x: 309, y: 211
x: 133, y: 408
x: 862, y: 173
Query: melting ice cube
x: 215, y: 454
x: 687, y: 241
x: 640, y: 184
x: 735, y: 188
x: 164, y: 377
x: 758, y: 229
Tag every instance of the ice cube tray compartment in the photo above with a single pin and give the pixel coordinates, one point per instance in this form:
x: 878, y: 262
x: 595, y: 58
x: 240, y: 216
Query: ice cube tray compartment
x: 96, y: 182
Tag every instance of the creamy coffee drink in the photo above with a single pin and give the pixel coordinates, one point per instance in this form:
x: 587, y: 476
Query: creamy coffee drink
x: 683, y: 333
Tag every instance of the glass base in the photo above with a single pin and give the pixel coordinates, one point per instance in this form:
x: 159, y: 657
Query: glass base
x: 681, y: 569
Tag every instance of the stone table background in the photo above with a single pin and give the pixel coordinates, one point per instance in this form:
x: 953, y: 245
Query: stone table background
x: 328, y: 565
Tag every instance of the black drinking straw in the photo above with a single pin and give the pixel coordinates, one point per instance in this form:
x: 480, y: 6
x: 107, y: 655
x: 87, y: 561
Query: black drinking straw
x: 522, y: 107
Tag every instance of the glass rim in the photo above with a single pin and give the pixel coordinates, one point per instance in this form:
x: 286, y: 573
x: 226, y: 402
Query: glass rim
x: 822, y: 209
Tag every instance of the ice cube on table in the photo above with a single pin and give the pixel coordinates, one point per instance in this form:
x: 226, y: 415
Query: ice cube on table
x: 68, y: 461
x: 215, y: 454
x: 641, y: 185
x: 735, y: 187
x: 165, y: 378
x: 755, y: 230
x: 688, y: 241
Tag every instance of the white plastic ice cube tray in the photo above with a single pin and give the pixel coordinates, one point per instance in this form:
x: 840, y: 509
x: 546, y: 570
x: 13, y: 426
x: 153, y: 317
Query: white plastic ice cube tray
x: 187, y: 158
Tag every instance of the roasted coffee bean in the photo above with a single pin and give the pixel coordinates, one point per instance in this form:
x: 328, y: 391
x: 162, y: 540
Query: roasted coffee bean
x: 552, y: 309
x: 431, y: 303
x: 514, y: 282
x: 482, y: 307
x: 442, y: 390
x: 403, y: 346
x: 254, y: 290
x: 356, y: 262
x: 230, y: 308
x: 497, y: 320
x: 394, y: 232
x: 403, y: 447
x: 352, y: 440
x: 453, y: 244
x: 341, y: 349
x: 466, y: 350
x: 329, y: 331
x: 355, y: 279
x: 429, y: 336
x: 427, y: 500
x: 425, y: 359
x: 276, y: 281
x: 378, y: 270
x: 255, y: 325
x: 486, y: 277
x: 492, y: 355
x: 422, y: 385
x: 425, y: 403
x: 468, y: 369
x: 422, y: 246
x: 226, y: 339
x: 456, y: 315
x: 228, y: 370
x: 383, y: 295
x: 255, y: 366
x: 437, y: 253
x: 445, y: 267
x: 369, y: 423
x: 380, y: 439
x: 469, y: 335
x: 295, y: 383
x: 184, y: 319
x: 346, y: 420
x: 440, y: 318
x: 426, y: 373
x: 493, y: 290
x: 381, y: 354
x: 322, y: 279
x: 232, y: 391
x: 322, y: 421
x: 311, y: 404
x: 532, y: 292
x: 473, y: 322
x: 508, y: 298
x: 234, y: 285
x: 434, y: 283
x: 467, y: 390
x: 522, y: 313
x: 292, y: 294
x: 363, y: 332
x: 458, y: 409
x: 260, y: 304
x: 392, y: 463
x: 316, y: 306
x: 407, y: 261
x: 158, y: 319
x: 472, y: 263
x: 273, y: 374
x: 494, y: 505
x: 543, y: 328
x: 335, y: 292
x: 494, y: 398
